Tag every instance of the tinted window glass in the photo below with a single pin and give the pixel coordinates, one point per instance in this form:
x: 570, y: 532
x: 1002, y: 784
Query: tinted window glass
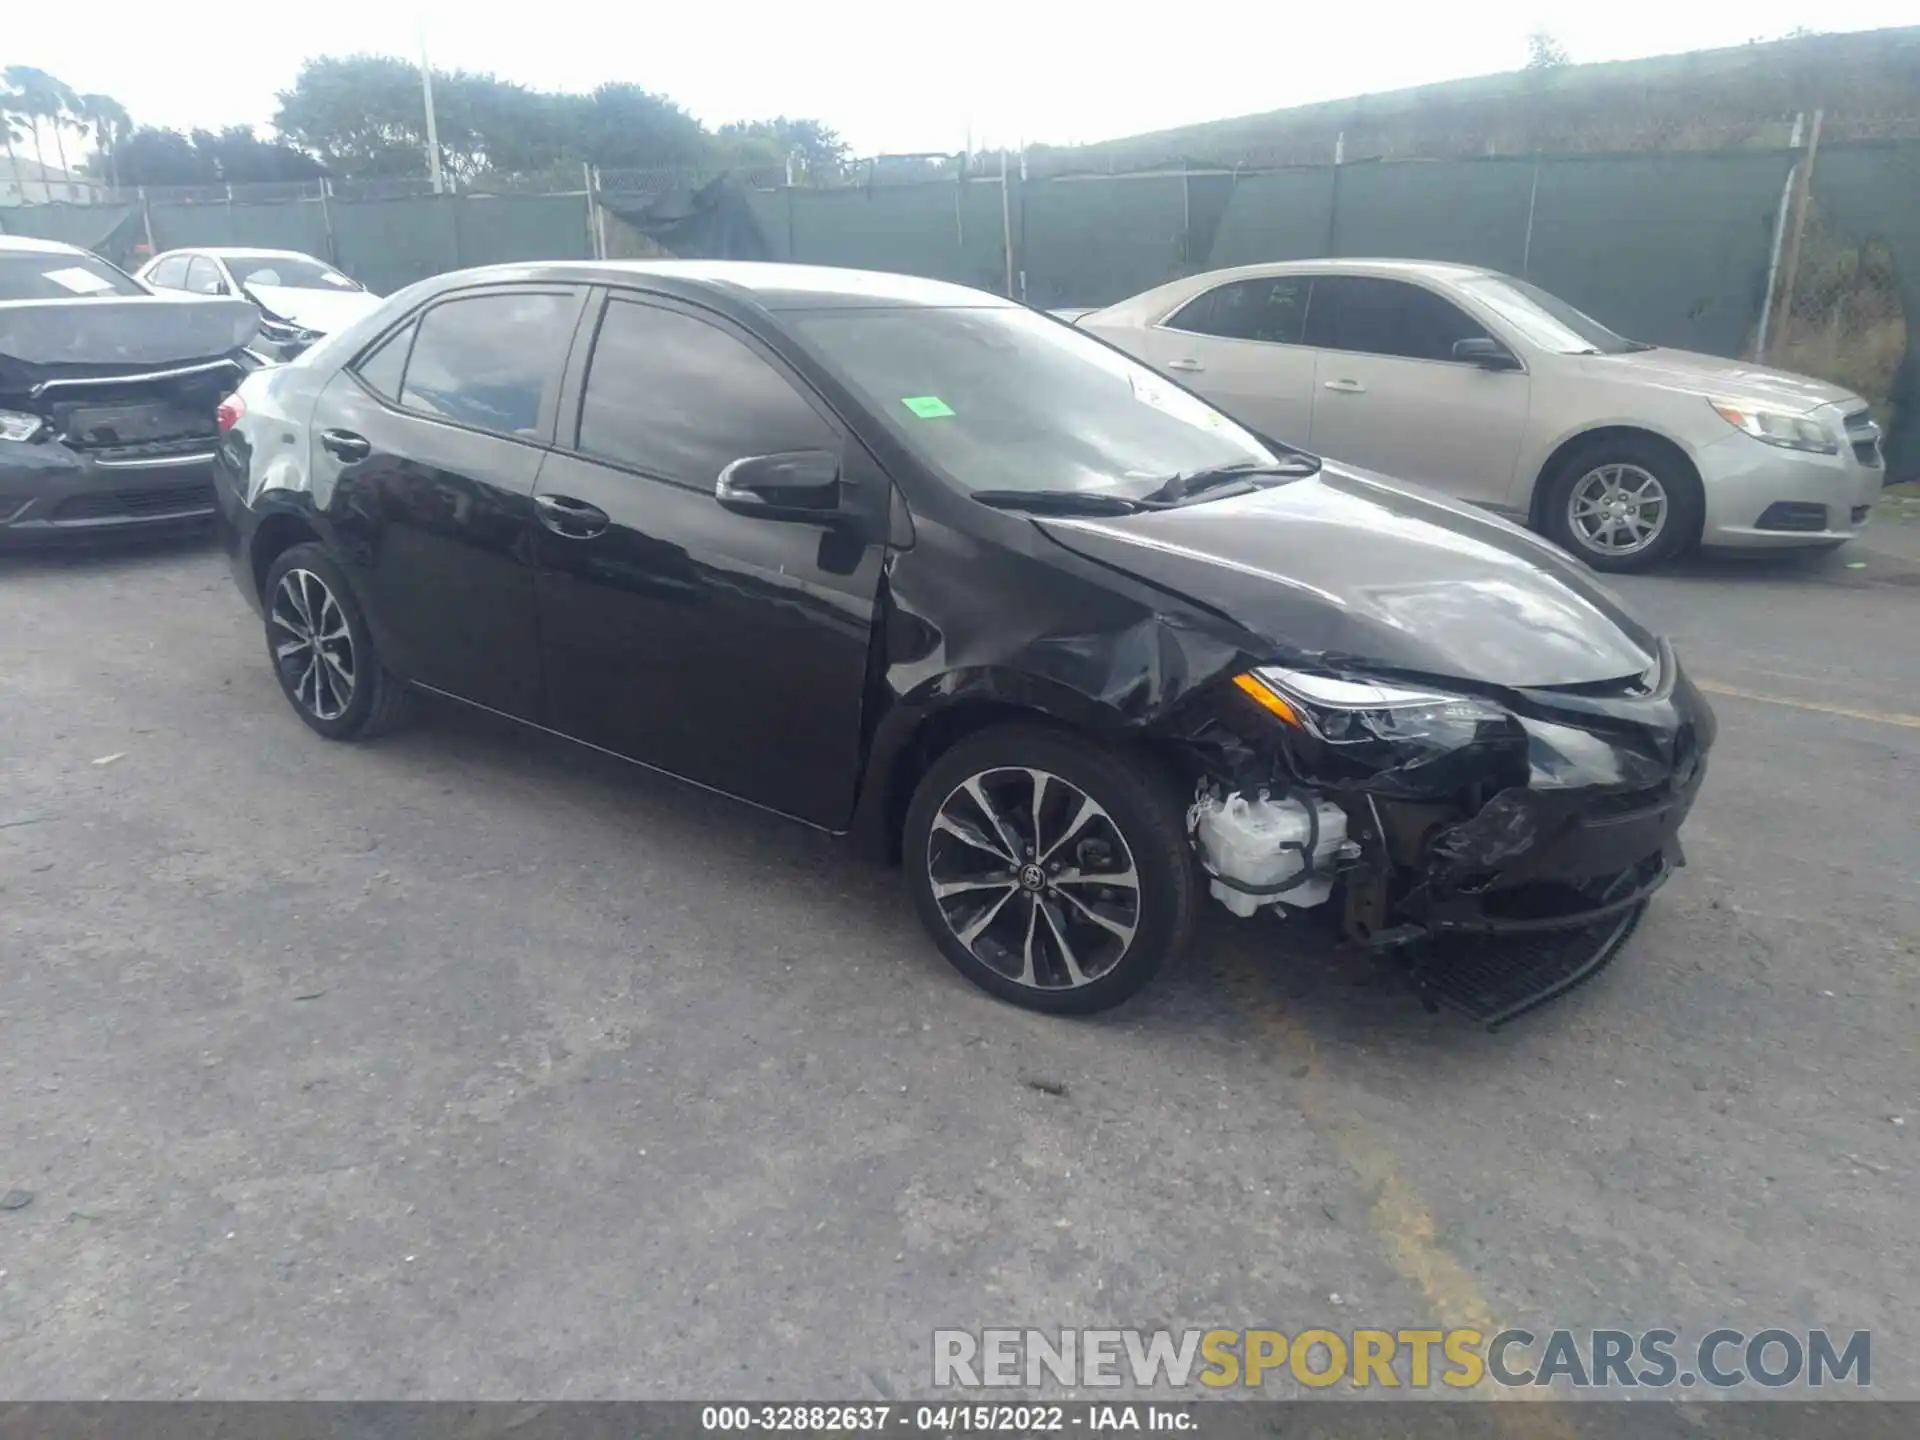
x: 1385, y: 317
x: 170, y: 272
x: 382, y: 369
x: 1271, y: 310
x: 682, y: 399
x: 203, y: 277
x: 491, y: 361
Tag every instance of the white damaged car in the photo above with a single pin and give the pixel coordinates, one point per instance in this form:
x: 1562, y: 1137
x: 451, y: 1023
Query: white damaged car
x: 300, y: 298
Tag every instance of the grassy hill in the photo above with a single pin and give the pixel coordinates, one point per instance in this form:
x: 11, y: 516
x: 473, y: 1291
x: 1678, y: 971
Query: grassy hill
x: 1868, y: 83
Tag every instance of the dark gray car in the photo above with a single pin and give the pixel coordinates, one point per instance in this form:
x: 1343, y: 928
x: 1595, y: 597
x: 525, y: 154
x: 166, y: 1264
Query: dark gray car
x: 108, y: 396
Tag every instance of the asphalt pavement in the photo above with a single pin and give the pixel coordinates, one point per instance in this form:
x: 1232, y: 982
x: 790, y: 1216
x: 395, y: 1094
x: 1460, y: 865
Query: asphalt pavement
x: 467, y: 1064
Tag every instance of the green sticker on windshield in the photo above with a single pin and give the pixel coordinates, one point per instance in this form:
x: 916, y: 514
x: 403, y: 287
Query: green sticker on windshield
x: 927, y: 407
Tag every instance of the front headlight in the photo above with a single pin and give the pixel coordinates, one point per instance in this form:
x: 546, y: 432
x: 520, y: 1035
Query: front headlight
x: 19, y: 425
x: 1778, y: 427
x: 1356, y: 729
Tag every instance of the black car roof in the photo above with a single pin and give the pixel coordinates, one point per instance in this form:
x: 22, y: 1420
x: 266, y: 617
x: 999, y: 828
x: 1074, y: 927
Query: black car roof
x: 766, y: 285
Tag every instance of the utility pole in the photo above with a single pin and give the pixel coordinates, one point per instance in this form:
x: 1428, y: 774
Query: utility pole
x: 433, y: 131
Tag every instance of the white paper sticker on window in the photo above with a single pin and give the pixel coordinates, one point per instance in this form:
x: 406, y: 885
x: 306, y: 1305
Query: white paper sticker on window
x: 79, y: 281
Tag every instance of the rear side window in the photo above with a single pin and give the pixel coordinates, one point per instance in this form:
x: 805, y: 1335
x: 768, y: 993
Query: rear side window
x: 170, y: 273
x: 681, y: 399
x: 1385, y: 317
x: 490, y: 361
x: 382, y: 370
x: 1273, y: 310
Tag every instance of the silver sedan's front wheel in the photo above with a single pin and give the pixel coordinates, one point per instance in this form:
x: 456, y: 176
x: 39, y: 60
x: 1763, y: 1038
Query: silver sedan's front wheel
x: 1624, y: 502
x: 1050, y: 869
x: 1618, y: 510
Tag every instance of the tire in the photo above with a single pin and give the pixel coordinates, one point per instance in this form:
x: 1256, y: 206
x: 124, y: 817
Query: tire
x: 1057, y: 945
x: 1634, y: 463
x: 352, y: 696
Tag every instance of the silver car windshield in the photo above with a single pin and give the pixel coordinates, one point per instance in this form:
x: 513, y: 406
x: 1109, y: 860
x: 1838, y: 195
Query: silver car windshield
x: 1002, y: 398
x: 1546, y: 321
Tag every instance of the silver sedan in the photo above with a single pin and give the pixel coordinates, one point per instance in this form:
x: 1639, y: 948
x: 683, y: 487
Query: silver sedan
x: 1492, y: 390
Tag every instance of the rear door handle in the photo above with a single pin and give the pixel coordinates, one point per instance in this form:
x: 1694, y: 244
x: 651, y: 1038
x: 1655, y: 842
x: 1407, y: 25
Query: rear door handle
x: 1346, y: 387
x: 345, y: 445
x: 571, y: 518
x: 1193, y: 365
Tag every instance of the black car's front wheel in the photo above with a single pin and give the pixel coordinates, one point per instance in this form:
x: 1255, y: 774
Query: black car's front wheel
x: 1052, y: 871
x: 323, y: 652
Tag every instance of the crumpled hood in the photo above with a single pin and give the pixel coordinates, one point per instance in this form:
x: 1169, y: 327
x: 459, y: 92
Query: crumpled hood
x: 324, y: 311
x: 1717, y: 378
x: 124, y: 329
x: 1357, y: 570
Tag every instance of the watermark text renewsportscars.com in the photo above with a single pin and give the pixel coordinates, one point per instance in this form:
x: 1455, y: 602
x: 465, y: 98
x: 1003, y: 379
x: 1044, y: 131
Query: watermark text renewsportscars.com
x: 1724, y: 1359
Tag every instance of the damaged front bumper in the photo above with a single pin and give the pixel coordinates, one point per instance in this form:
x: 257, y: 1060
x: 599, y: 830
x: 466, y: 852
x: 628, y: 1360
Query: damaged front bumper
x: 1534, y: 824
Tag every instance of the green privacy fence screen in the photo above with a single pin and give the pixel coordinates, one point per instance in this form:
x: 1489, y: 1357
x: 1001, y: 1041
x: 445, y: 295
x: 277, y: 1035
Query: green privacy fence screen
x: 1673, y: 248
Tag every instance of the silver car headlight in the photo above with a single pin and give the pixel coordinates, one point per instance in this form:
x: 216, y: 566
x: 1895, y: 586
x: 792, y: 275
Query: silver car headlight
x: 1778, y: 427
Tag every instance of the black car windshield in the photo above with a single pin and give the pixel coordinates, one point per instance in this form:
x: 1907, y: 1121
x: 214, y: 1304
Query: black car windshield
x: 295, y: 272
x: 1546, y: 320
x: 61, y: 275
x: 1001, y: 398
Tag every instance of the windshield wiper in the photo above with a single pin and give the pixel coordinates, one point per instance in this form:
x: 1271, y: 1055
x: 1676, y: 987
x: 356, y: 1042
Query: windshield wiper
x: 1060, y: 502
x: 1189, y: 483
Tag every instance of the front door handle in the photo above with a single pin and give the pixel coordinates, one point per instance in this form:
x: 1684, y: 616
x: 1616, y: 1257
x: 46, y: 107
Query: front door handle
x: 1189, y: 365
x: 345, y: 445
x: 571, y: 518
x: 1345, y: 387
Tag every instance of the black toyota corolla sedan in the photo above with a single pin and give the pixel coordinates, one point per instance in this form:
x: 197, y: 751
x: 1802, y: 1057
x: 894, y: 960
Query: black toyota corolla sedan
x: 906, y: 560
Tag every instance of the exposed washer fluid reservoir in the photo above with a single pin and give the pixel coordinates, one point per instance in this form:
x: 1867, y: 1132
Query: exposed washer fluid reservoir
x: 1259, y: 841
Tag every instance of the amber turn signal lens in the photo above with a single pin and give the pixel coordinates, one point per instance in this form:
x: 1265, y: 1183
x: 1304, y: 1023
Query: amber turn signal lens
x: 1264, y: 697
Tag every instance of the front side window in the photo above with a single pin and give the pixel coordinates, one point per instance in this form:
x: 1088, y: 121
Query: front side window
x: 1375, y: 316
x: 491, y: 361
x: 1272, y: 310
x: 682, y: 399
x: 1002, y: 398
x: 61, y: 275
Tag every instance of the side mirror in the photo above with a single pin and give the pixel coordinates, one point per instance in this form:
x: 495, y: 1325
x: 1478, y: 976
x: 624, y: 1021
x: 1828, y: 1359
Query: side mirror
x: 1487, y: 354
x: 802, y: 485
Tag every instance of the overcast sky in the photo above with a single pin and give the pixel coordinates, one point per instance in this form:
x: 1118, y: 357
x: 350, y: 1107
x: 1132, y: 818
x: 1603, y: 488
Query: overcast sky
x: 890, y: 76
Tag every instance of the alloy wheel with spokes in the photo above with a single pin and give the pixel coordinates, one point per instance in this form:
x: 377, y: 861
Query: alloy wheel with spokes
x: 1034, y: 878
x: 1619, y: 509
x: 312, y: 644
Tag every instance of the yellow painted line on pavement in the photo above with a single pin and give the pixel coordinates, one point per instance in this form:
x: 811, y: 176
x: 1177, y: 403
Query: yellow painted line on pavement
x: 1399, y: 1216
x: 1875, y: 717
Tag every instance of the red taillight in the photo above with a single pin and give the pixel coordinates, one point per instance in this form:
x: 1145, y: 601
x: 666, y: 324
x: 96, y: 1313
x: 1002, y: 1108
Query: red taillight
x: 229, y: 413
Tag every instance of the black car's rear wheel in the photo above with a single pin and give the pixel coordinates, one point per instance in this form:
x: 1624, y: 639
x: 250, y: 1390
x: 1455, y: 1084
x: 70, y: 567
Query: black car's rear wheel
x: 1051, y: 871
x: 322, y: 651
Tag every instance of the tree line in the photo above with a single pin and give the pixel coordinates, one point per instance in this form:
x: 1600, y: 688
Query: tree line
x: 363, y: 116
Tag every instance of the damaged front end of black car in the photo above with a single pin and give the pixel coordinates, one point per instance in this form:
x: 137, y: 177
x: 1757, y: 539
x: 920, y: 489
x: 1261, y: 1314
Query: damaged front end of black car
x: 1503, y: 843
x: 1437, y: 732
